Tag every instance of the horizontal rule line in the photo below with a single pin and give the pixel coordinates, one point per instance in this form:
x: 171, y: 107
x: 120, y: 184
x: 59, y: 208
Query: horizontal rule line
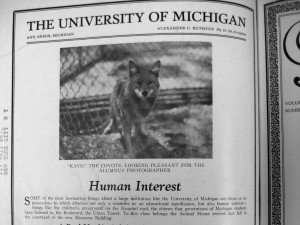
x: 134, y: 35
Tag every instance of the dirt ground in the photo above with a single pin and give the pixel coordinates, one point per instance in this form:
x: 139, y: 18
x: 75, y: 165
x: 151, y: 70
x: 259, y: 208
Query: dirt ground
x: 183, y: 132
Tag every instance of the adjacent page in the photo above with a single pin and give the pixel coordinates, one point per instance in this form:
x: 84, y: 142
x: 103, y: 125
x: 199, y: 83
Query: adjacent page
x: 282, y: 27
x: 89, y: 148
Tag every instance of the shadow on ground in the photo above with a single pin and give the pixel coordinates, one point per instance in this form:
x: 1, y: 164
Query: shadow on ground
x: 183, y: 132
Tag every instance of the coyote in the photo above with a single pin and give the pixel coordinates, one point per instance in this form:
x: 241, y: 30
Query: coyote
x: 132, y: 100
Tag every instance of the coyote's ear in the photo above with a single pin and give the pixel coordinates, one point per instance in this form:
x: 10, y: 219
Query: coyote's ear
x: 156, y: 67
x: 133, y: 68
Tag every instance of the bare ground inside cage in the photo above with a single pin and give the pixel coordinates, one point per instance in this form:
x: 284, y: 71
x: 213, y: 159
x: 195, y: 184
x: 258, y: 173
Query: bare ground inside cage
x: 182, y: 132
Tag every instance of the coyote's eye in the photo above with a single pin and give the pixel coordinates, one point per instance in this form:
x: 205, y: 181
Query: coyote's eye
x: 139, y: 83
x: 150, y: 82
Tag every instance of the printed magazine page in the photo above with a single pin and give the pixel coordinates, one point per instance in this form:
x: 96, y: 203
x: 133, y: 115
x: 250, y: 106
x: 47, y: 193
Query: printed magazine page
x: 282, y: 69
x: 135, y: 113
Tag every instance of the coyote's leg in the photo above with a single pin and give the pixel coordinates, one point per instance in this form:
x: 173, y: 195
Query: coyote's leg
x: 126, y: 133
x: 138, y: 130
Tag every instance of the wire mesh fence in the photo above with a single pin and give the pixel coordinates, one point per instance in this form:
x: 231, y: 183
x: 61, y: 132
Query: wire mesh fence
x: 88, y: 75
x: 180, y: 121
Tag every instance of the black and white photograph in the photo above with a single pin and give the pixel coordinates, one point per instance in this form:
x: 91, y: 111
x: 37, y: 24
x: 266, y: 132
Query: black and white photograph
x: 136, y: 100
